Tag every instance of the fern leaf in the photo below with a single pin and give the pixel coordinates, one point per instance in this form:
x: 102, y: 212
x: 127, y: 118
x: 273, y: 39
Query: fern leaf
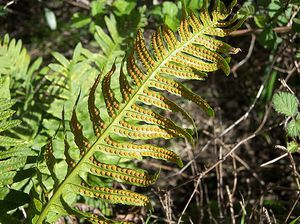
x: 13, y: 157
x: 132, y: 176
x: 92, y: 218
x: 136, y: 151
x: 8, y: 141
x: 50, y: 160
x: 14, y: 59
x: 114, y: 196
x: 111, y: 102
x: 94, y: 112
x: 15, y: 62
x: 151, y: 72
x: 69, y: 159
x: 76, y: 129
x: 15, y: 162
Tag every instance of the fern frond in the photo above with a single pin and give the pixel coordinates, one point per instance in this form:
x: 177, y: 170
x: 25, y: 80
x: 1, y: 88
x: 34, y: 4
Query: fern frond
x: 15, y: 162
x: 67, y: 76
x: 14, y: 152
x: 120, y: 130
x: 14, y: 58
x: 15, y: 64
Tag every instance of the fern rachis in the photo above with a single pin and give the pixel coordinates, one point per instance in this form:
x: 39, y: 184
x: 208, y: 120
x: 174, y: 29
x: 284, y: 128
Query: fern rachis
x: 187, y: 54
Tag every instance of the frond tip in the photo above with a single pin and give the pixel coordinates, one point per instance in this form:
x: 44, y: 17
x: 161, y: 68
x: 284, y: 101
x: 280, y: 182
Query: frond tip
x: 131, y: 117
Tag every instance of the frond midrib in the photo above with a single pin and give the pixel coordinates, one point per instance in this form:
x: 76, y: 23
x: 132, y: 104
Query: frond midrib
x: 118, y: 117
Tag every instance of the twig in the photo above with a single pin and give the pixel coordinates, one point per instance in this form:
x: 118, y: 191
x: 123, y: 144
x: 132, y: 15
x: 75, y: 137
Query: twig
x: 235, y: 179
x: 191, y: 220
x: 244, y: 212
x: 265, y: 211
x: 192, y: 178
x: 189, y: 201
x: 245, y: 116
x: 273, y: 217
x: 242, y: 118
x: 282, y: 29
x: 273, y: 160
x: 236, y: 157
x: 211, y: 217
x: 8, y: 4
x: 84, y: 5
x: 294, y: 170
x: 297, y: 66
x: 219, y: 172
x: 204, y: 173
x: 292, y: 209
x: 23, y: 212
x: 230, y: 204
x: 165, y: 200
x: 242, y: 62
x: 284, y: 84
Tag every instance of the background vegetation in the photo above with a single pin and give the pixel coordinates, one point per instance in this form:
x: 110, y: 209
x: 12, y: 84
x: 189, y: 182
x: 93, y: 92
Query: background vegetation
x: 49, y: 50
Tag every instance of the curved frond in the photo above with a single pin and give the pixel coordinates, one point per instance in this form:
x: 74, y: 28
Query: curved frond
x: 152, y: 73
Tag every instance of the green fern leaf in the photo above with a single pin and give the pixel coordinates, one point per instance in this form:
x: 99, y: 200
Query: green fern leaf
x: 187, y: 54
x: 15, y: 164
x: 15, y: 63
x: 67, y: 76
x: 14, y: 151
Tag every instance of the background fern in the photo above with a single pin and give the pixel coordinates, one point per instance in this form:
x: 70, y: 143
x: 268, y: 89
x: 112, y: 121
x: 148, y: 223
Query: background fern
x: 15, y: 62
x: 67, y: 77
x: 16, y: 163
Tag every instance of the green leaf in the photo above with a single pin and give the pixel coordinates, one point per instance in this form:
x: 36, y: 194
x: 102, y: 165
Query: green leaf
x: 170, y: 8
x: 4, y: 85
x: 80, y: 20
x: 4, y: 125
x: 57, y: 68
x: 292, y: 146
x: 285, y: 103
x: 170, y: 11
x: 61, y: 59
x: 124, y: 7
x: 270, y: 85
x: 269, y: 39
x: 293, y: 128
x: 97, y: 7
x: 172, y: 22
x: 50, y: 18
x: 246, y: 10
x: 77, y: 53
x: 194, y: 4
x: 274, y: 7
x: 260, y: 20
x: 295, y: 221
x: 35, y: 66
